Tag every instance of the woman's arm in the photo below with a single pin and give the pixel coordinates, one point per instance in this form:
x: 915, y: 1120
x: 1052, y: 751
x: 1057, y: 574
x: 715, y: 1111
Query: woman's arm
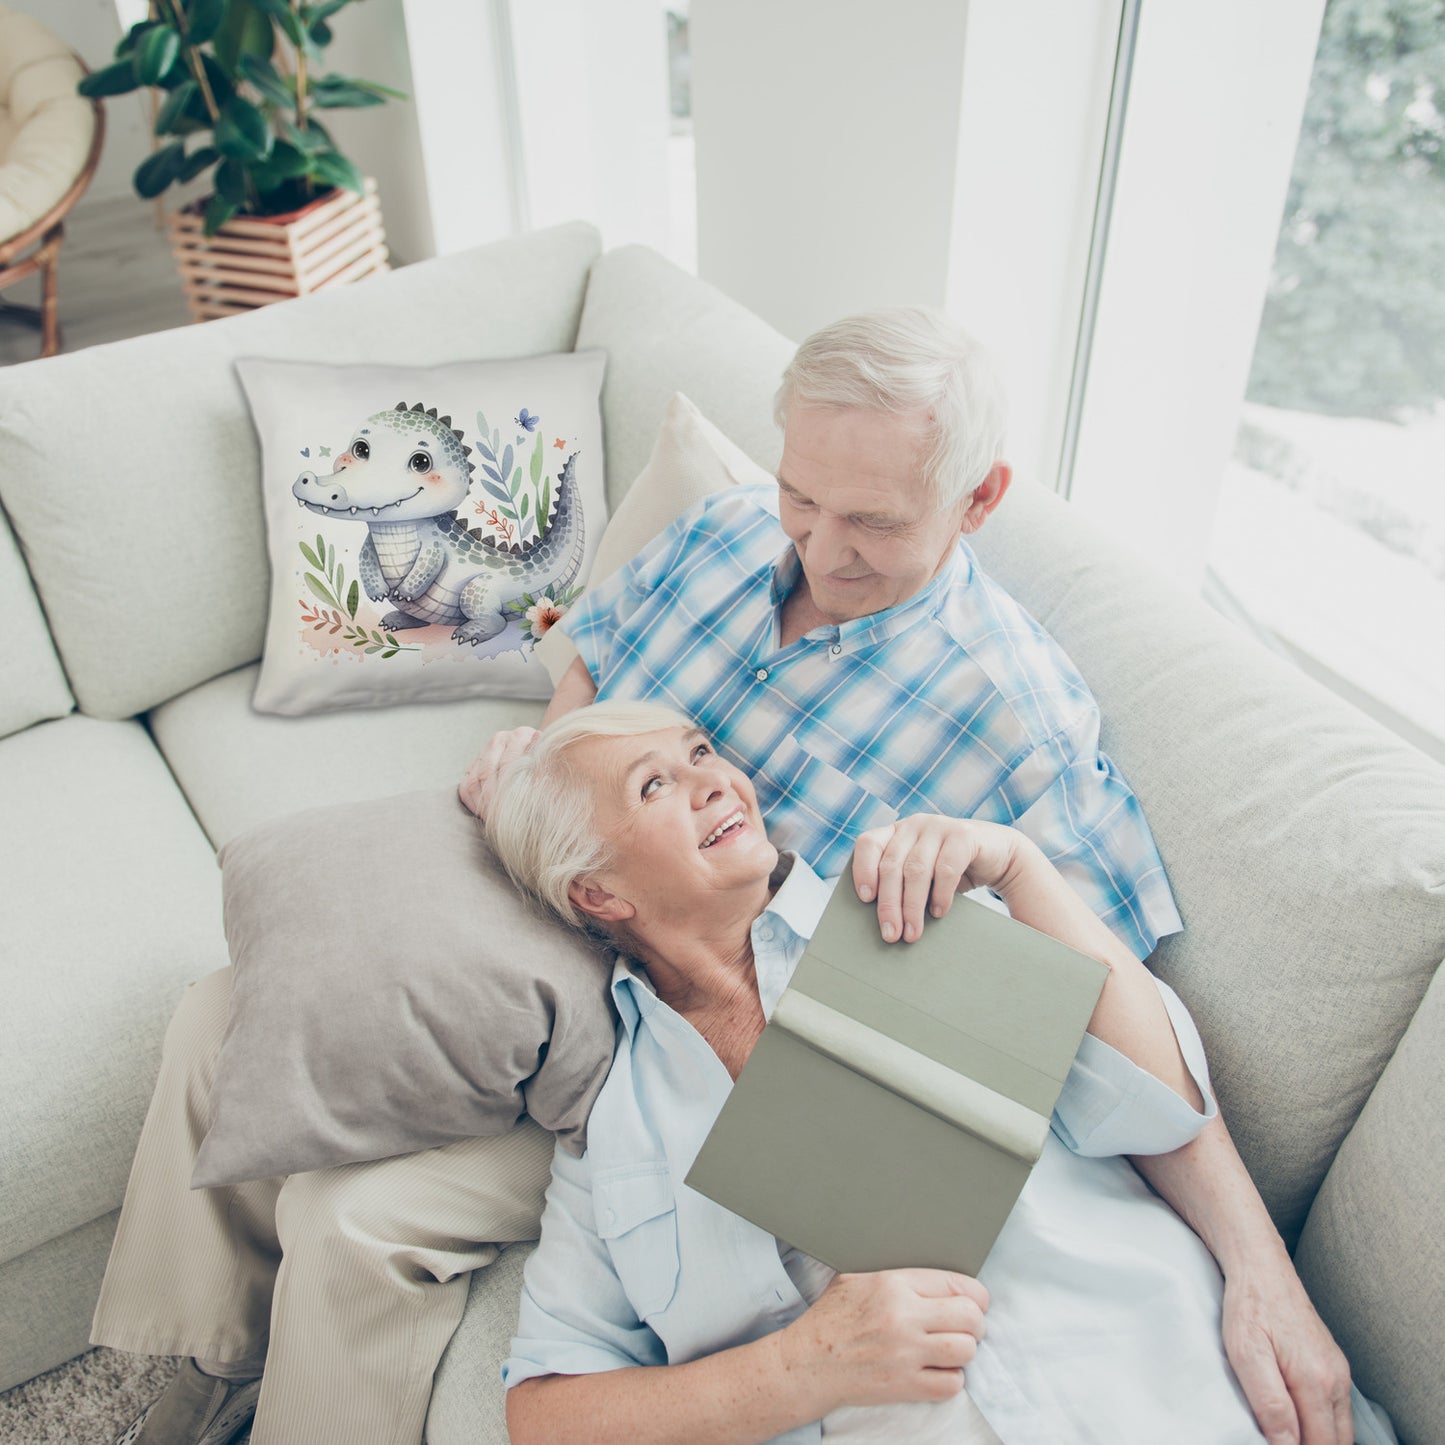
x: 903, y: 1334
x: 916, y: 866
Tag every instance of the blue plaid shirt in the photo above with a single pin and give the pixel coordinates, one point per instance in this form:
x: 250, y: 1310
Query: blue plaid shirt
x: 955, y: 702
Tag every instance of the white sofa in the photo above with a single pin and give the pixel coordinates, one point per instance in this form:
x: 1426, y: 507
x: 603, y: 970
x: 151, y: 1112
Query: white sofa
x: 1305, y: 845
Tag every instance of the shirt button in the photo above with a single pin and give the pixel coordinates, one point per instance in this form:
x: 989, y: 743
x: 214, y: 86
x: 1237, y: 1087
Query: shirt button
x: 836, y: 648
x: 761, y: 674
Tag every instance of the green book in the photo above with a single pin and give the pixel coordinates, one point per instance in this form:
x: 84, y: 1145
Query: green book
x: 900, y: 1094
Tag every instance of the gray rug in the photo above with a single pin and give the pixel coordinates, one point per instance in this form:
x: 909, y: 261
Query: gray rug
x: 86, y: 1402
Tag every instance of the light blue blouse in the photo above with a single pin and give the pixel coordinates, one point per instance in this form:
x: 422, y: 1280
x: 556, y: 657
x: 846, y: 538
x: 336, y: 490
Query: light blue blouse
x: 1105, y: 1316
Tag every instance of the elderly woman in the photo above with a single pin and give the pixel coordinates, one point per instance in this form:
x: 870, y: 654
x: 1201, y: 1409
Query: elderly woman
x: 654, y: 1314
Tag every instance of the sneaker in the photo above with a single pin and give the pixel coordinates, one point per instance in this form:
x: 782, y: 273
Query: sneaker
x: 195, y: 1409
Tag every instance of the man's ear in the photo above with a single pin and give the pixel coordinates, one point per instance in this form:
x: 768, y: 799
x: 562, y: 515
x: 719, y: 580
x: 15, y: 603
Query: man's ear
x: 596, y: 902
x: 986, y: 496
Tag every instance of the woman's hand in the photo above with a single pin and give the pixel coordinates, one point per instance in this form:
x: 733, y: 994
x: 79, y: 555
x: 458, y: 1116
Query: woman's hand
x: 918, y: 864
x: 899, y: 1334
x: 476, y: 785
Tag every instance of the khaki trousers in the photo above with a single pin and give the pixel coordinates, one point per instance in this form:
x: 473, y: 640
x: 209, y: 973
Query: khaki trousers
x: 350, y: 1281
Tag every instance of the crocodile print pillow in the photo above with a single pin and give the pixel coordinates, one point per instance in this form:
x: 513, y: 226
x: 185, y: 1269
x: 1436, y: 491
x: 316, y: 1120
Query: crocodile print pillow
x: 426, y: 525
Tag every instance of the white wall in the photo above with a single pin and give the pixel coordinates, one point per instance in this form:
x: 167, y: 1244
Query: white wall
x: 827, y: 143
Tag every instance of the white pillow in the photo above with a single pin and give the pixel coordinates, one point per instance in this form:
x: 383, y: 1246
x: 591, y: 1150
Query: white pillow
x: 402, y: 509
x: 691, y: 459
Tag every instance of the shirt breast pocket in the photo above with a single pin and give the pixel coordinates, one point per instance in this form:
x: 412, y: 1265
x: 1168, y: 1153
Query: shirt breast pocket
x: 636, y: 1211
x: 816, y: 809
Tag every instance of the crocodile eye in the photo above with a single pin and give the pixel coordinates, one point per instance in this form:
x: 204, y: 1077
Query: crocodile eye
x: 361, y: 450
x: 420, y: 461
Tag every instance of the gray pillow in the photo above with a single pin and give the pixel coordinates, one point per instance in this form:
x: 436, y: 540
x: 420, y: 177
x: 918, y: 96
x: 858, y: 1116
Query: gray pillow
x: 392, y: 992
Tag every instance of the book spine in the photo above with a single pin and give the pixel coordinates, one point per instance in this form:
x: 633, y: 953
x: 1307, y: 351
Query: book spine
x: 953, y: 1097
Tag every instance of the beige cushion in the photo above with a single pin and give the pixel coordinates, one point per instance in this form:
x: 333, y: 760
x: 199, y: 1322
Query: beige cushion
x: 664, y: 331
x: 1373, y: 1250
x: 152, y: 565
x: 239, y: 768
x: 1302, y: 842
x: 691, y: 459
x: 393, y: 993
x: 46, y: 128
x: 110, y: 906
x: 32, y: 684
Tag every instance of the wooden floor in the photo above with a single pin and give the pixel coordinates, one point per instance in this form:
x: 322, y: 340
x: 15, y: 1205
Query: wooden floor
x: 117, y: 279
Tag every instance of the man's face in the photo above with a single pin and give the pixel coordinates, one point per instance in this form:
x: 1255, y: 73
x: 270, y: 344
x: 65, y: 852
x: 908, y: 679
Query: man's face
x: 852, y: 499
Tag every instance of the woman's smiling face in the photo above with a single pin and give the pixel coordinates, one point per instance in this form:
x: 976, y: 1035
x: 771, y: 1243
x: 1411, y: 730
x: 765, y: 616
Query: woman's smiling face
x: 681, y: 824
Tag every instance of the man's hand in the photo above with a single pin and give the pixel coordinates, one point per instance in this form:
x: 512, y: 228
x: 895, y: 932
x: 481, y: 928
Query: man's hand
x: 476, y: 785
x: 1295, y: 1377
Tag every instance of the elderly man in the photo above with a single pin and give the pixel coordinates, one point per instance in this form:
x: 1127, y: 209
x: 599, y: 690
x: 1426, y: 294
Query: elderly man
x: 838, y: 640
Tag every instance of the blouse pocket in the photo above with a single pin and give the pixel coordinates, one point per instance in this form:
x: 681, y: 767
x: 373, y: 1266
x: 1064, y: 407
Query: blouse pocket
x: 637, y: 1217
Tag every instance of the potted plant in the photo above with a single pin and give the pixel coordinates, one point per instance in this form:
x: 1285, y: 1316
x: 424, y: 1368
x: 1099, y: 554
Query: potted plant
x: 240, y: 84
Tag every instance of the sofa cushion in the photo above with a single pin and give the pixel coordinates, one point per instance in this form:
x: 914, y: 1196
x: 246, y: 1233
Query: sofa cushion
x: 32, y: 684
x: 1372, y: 1254
x: 131, y: 472
x: 239, y: 768
x: 110, y: 906
x: 392, y: 993
x: 1301, y: 840
x: 664, y: 331
x: 476, y: 462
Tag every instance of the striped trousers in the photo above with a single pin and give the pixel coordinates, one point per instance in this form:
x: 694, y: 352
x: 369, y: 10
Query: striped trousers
x: 349, y: 1281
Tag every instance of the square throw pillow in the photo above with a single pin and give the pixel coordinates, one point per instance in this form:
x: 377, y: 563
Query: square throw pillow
x: 390, y: 999
x: 423, y: 523
x: 691, y: 459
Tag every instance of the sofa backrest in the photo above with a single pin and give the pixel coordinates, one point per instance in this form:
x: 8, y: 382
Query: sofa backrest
x: 1302, y: 841
x: 131, y: 472
x: 32, y: 682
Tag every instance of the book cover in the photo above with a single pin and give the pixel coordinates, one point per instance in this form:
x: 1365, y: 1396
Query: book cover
x: 895, y: 1103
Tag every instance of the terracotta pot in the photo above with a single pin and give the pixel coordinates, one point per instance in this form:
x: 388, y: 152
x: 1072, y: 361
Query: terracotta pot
x: 255, y: 260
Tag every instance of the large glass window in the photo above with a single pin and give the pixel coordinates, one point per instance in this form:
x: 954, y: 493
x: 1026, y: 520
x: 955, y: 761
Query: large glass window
x: 1330, y: 530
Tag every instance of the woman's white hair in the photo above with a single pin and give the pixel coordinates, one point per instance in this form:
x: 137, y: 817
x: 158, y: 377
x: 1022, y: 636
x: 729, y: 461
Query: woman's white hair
x: 542, y: 819
x: 908, y: 360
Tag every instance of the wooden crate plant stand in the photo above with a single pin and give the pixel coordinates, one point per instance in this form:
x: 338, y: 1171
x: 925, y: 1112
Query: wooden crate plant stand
x: 255, y: 260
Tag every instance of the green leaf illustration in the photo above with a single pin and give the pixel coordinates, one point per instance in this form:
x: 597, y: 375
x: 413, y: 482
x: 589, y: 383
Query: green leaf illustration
x: 544, y: 512
x: 391, y: 639
x: 310, y: 556
x: 320, y: 546
x: 390, y: 652
x: 338, y: 582
x: 319, y: 588
x: 352, y: 598
x: 537, y: 462
x: 372, y: 649
x: 330, y: 560
x: 526, y: 502
x: 516, y: 485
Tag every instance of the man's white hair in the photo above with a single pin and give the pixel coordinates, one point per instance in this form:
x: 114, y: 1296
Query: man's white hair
x: 908, y: 360
x: 542, y: 820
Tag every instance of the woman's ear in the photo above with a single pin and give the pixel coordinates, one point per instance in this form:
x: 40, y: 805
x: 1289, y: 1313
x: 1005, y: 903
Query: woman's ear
x: 596, y: 902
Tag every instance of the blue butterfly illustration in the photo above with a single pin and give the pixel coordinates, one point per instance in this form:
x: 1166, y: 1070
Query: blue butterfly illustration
x: 527, y: 421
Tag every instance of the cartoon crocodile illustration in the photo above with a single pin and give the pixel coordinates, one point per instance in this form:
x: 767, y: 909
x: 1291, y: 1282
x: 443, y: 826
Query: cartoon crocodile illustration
x: 404, y: 473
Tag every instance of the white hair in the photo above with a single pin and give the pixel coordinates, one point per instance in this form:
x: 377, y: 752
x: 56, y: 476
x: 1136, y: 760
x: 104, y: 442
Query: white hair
x: 542, y: 820
x: 908, y: 360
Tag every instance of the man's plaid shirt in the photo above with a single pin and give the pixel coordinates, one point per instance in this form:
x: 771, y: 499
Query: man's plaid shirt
x: 953, y: 702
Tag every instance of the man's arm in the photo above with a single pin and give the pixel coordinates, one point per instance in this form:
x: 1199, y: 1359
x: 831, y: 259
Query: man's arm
x: 1295, y: 1377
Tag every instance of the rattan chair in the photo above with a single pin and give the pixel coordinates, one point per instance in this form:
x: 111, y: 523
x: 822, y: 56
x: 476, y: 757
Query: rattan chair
x: 50, y: 139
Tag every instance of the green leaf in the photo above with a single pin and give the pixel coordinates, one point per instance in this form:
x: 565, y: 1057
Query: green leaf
x: 333, y: 168
x: 244, y: 31
x: 372, y: 649
x: 320, y: 589
x: 277, y: 88
x: 377, y: 636
x: 545, y: 510
x: 157, y: 171
x: 320, y: 545
x: 218, y: 212
x: 320, y: 36
x: 379, y: 89
x: 157, y: 52
x: 322, y: 11
x: 231, y: 182
x: 391, y: 652
x: 526, y: 503
x: 330, y: 560
x: 516, y: 483
x: 391, y: 638
x: 338, y: 583
x: 203, y: 19
x: 242, y: 132
x: 175, y: 106
x: 117, y: 79
x: 287, y: 162
x: 198, y: 161
x: 334, y: 92
x: 128, y: 42
x: 536, y: 467
x: 352, y: 598
x: 310, y: 556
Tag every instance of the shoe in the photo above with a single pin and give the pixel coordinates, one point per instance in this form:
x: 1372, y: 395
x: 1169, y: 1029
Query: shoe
x: 194, y: 1409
